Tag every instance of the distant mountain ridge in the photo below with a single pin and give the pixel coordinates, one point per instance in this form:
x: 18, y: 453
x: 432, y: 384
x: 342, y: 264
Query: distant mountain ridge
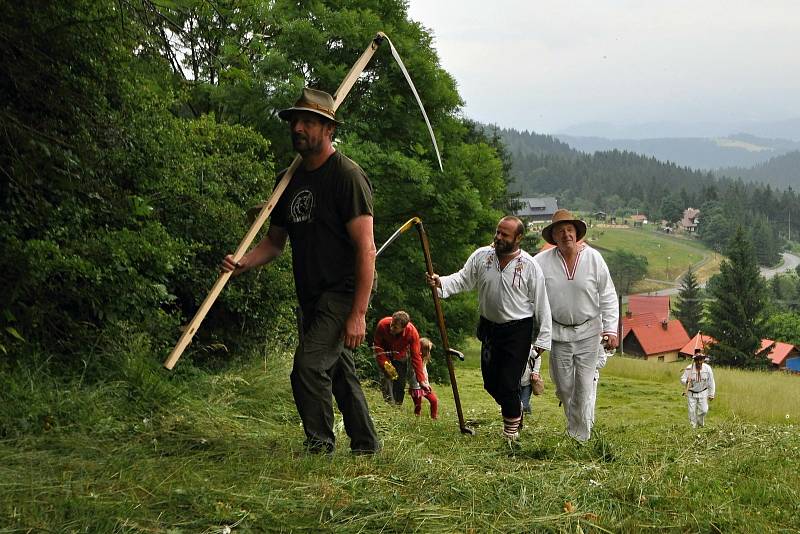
x: 780, y: 172
x: 782, y: 129
x: 739, y: 150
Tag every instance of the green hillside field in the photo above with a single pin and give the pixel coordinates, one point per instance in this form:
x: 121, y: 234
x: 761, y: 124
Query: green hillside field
x: 194, y: 452
x: 668, y: 257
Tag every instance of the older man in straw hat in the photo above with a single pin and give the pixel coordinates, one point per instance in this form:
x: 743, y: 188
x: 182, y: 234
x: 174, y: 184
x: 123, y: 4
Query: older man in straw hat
x: 515, y: 314
x: 583, y: 303
x: 326, y: 211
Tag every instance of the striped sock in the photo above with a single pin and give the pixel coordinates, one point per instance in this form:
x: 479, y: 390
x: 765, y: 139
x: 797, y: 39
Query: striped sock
x: 511, y: 424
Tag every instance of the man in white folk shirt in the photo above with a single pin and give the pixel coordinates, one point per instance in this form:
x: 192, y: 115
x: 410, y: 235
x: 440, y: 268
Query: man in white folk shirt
x: 700, y: 388
x: 515, y: 314
x: 583, y: 303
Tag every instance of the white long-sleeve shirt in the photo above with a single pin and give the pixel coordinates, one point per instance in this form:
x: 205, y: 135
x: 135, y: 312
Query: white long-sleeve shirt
x: 583, y: 302
x: 534, y: 365
x: 702, y: 381
x: 516, y: 292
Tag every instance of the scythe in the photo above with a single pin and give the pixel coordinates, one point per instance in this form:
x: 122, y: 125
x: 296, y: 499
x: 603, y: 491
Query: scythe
x: 449, y: 352
x: 339, y: 96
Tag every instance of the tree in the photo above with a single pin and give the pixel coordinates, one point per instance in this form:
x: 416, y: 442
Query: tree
x: 736, y: 313
x: 784, y: 327
x: 626, y: 269
x: 672, y: 208
x: 689, y: 307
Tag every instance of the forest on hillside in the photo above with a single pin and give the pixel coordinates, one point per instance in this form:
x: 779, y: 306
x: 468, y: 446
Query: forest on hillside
x: 137, y: 134
x: 780, y: 172
x: 624, y: 183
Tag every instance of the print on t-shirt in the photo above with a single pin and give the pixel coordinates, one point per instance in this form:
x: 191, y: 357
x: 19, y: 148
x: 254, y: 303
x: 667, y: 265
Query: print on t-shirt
x: 301, y: 207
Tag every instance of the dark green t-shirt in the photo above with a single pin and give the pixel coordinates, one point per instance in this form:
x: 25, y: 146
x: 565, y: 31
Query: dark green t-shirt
x: 314, y: 210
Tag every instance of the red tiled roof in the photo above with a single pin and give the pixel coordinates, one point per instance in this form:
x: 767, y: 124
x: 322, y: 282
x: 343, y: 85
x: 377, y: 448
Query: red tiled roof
x: 699, y: 341
x: 777, y: 355
x: 638, y: 217
x: 779, y: 352
x: 656, y: 304
x: 655, y: 339
x: 644, y: 319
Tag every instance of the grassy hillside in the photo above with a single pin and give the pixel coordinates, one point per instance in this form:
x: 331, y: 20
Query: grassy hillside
x: 668, y: 257
x: 224, y: 450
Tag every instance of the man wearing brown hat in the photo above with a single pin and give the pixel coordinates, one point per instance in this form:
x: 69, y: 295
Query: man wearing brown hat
x: 515, y: 314
x: 583, y: 303
x: 326, y: 212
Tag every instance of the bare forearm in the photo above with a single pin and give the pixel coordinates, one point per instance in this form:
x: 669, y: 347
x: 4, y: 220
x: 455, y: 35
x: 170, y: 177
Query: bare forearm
x: 262, y: 254
x: 365, y: 274
x: 267, y: 250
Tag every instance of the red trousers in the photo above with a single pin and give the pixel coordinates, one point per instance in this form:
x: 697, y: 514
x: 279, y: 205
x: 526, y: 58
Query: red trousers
x: 418, y: 394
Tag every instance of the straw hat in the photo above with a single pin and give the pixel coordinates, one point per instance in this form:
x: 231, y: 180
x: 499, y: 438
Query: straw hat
x: 312, y: 100
x: 561, y: 216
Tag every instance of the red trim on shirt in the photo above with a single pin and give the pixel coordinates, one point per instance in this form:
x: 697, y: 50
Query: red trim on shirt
x: 570, y: 275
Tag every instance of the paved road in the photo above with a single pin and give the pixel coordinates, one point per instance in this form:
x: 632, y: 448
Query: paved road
x: 790, y: 261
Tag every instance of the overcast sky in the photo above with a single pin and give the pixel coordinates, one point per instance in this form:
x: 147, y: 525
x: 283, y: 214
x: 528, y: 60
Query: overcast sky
x: 548, y: 66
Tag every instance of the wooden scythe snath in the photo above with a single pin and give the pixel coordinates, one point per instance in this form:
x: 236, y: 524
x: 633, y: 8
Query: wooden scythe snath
x: 449, y: 352
x: 263, y: 215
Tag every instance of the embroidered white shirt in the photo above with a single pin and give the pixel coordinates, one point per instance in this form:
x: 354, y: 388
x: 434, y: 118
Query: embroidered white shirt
x: 702, y: 382
x: 583, y: 302
x: 515, y: 292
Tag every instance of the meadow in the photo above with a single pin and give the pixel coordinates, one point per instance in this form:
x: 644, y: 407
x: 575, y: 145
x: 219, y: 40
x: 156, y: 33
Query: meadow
x: 221, y: 452
x: 668, y: 257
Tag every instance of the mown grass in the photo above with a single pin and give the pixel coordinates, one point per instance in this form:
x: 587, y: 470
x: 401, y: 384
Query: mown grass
x: 225, y: 451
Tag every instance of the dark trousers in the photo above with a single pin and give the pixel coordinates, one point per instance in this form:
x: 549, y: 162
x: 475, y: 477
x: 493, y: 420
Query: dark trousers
x: 394, y: 390
x: 324, y: 368
x: 504, y: 353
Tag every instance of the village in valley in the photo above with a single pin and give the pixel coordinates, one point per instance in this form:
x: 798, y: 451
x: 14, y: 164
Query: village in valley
x: 649, y: 328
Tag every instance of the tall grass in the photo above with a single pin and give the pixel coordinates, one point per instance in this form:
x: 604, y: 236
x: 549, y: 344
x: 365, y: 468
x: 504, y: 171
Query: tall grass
x: 756, y: 396
x: 224, y: 451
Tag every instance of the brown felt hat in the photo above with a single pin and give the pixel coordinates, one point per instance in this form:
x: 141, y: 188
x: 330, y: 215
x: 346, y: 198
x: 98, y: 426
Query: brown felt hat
x: 561, y: 216
x: 312, y: 100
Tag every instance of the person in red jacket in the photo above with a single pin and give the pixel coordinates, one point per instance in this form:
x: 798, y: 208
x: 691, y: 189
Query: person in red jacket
x: 396, y: 342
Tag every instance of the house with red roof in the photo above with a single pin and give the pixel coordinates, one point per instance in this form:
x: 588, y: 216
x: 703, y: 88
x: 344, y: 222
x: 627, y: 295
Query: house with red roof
x: 699, y: 341
x: 653, y: 339
x: 777, y: 352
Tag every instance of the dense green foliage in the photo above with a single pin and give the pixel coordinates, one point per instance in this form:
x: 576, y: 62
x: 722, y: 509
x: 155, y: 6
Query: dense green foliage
x: 137, y: 134
x: 688, y: 306
x: 736, y: 312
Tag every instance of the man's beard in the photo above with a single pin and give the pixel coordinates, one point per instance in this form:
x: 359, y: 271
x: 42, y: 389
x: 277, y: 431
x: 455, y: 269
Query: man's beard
x: 303, y: 145
x: 503, y: 247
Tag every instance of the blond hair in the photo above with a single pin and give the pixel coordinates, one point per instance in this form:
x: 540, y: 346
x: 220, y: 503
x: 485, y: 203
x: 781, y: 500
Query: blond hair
x: 426, y: 346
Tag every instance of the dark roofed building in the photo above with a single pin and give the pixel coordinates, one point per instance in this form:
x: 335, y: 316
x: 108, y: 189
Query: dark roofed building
x: 537, y: 209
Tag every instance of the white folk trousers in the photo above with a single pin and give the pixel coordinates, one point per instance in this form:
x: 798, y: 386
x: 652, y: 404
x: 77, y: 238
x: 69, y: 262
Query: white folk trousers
x: 572, y: 369
x: 698, y: 408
